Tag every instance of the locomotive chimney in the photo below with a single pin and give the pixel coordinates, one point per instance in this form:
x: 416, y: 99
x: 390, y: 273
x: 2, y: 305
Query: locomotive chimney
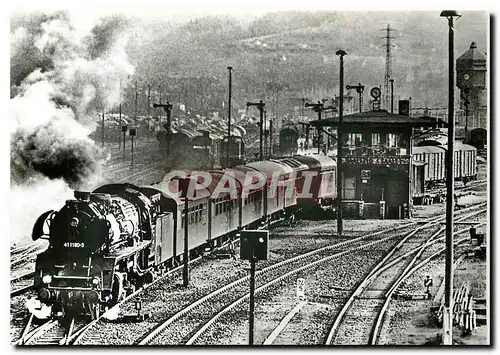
x: 82, y: 195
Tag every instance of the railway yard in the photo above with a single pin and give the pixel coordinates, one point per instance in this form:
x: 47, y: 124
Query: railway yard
x: 147, y: 208
x: 363, y: 288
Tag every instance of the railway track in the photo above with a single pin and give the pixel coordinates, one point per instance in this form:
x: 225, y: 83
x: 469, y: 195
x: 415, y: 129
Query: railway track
x: 22, y: 255
x: 86, y: 332
x: 21, y: 284
x: 119, y: 328
x: 52, y: 332
x: 371, y: 298
x: 189, y: 324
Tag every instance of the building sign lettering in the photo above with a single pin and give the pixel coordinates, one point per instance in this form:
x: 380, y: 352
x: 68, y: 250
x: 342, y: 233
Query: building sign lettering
x: 396, y: 160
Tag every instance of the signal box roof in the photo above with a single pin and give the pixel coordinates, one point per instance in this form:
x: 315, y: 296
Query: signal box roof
x: 375, y: 118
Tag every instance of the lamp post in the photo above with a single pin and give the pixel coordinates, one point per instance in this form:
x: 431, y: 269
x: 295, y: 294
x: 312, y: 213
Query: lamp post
x: 448, y: 285
x: 340, y: 53
x: 230, y: 68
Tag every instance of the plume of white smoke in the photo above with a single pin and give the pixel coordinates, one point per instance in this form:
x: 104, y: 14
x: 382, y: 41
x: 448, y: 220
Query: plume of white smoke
x: 61, y: 76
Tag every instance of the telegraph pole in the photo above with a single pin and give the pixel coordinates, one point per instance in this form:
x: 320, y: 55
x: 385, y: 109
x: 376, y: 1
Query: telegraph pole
x: 120, y: 116
x: 448, y: 295
x: 136, y: 99
x: 230, y: 68
x: 270, y: 138
x: 185, y: 269
x: 159, y: 91
x: 102, y: 133
x: 340, y: 53
x: 260, y: 106
x: 149, y: 106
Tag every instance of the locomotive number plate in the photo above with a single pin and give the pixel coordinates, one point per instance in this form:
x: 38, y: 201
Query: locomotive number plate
x: 74, y: 245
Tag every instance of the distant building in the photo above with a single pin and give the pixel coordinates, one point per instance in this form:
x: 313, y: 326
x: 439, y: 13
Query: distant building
x: 471, y: 81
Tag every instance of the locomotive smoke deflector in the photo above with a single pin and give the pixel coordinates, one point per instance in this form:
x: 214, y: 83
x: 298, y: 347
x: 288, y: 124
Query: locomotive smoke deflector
x: 38, y: 232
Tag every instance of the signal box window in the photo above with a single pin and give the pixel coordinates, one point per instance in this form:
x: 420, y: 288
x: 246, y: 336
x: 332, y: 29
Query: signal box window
x: 392, y: 140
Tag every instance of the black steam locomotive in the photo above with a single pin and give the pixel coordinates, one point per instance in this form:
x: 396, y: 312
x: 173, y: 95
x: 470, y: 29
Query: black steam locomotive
x: 99, y: 248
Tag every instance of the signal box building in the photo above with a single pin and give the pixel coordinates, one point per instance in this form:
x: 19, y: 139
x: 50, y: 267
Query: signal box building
x: 377, y: 172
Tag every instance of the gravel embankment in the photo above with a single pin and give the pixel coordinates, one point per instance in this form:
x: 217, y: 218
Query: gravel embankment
x: 327, y: 285
x: 166, y: 298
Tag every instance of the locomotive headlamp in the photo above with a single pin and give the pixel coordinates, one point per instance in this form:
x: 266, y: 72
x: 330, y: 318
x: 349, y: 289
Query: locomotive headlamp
x: 74, y: 222
x: 96, y: 281
x: 47, y: 279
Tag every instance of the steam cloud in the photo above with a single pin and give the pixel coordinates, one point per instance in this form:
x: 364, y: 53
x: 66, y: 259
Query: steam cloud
x: 62, y: 76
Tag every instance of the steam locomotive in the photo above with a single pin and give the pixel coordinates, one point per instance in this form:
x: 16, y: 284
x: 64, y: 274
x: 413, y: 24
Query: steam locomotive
x: 108, y: 242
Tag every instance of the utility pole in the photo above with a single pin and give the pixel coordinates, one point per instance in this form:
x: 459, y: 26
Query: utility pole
x: 260, y: 106
x: 159, y: 92
x: 185, y: 269
x: 102, y: 130
x: 136, y: 99
x: 450, y: 190
x: 252, y: 301
x: 392, y: 95
x: 359, y: 89
x: 340, y: 53
x: 318, y: 108
x: 230, y: 68
x: 270, y: 138
x: 120, y: 116
x: 388, y: 64
x: 149, y: 106
x: 266, y: 134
